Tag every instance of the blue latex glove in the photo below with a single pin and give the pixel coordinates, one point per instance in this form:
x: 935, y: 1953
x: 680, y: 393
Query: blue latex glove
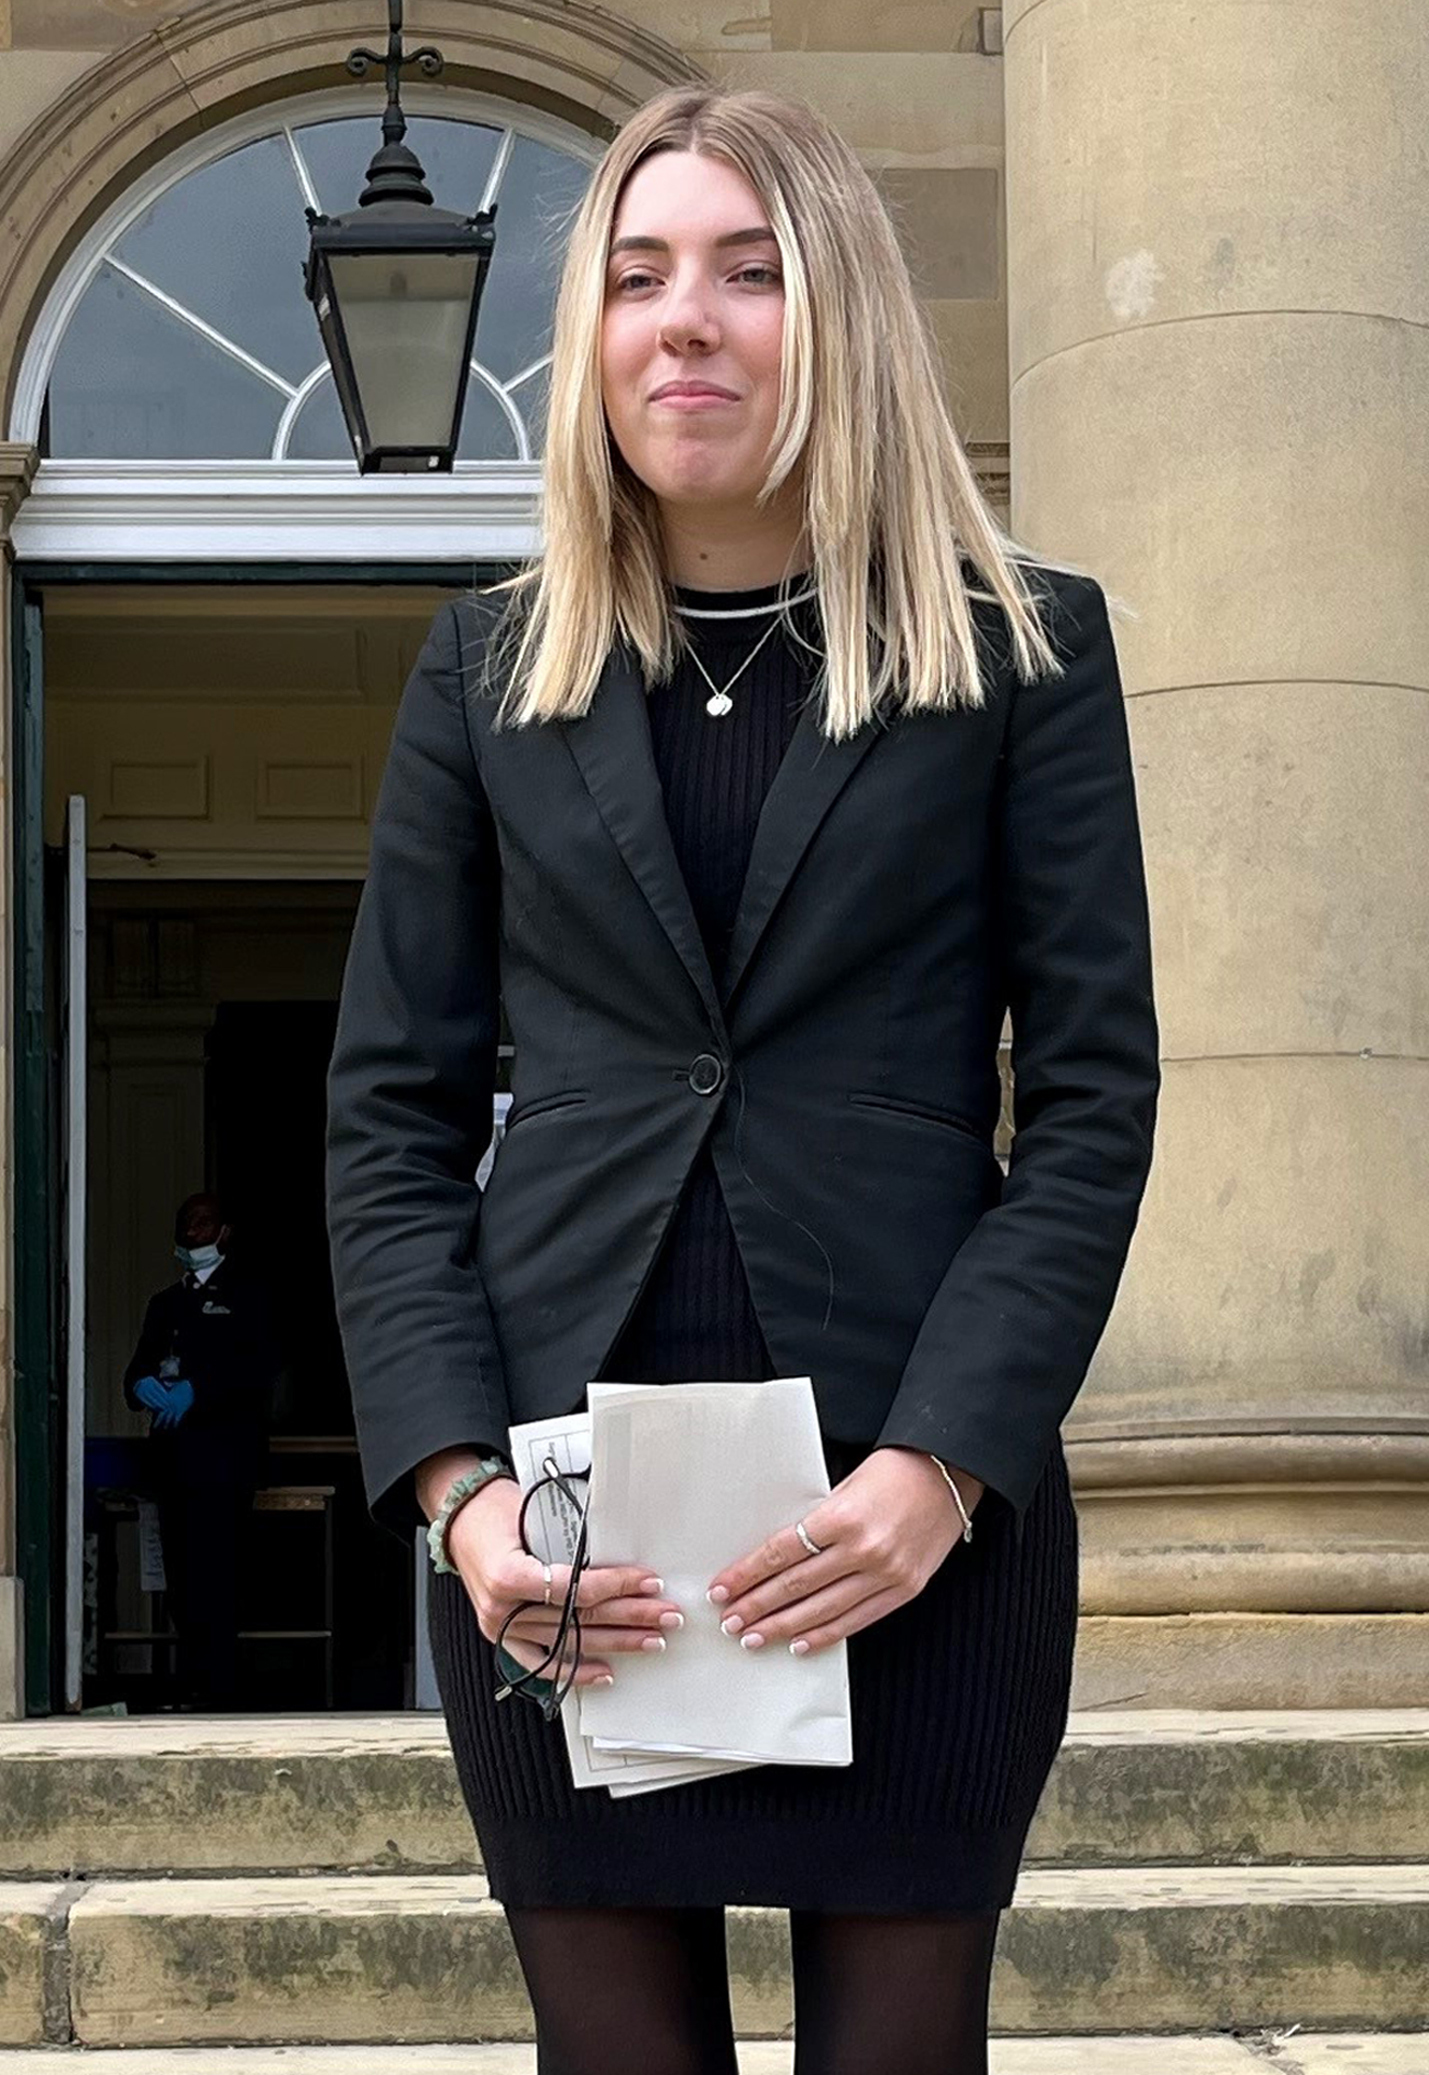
x: 178, y: 1400
x: 149, y: 1391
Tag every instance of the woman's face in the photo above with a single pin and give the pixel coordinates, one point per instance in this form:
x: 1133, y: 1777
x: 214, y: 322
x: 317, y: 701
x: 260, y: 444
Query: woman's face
x: 682, y: 306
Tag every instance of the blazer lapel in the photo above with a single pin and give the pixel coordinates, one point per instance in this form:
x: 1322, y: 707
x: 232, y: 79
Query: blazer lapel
x: 810, y: 778
x: 611, y: 744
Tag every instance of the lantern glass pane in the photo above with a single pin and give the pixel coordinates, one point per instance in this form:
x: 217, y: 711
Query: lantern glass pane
x: 405, y: 317
x: 320, y: 434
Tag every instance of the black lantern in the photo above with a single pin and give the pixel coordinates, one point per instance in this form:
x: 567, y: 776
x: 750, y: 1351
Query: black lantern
x: 397, y: 285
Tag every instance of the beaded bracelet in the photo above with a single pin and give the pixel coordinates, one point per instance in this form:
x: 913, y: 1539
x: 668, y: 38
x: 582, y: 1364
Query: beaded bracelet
x: 458, y: 1493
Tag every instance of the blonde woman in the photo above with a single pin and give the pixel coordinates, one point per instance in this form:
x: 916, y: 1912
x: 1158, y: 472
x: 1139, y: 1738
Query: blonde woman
x: 760, y: 797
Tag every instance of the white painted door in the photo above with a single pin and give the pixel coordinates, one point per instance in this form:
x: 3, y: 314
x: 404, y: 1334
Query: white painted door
x: 74, y: 1070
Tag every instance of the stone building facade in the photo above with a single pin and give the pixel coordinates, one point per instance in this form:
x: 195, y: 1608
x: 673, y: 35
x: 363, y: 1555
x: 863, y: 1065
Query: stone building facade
x: 1175, y: 261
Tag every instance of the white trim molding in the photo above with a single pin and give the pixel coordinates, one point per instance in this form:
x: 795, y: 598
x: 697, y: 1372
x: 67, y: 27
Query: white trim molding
x: 276, y: 511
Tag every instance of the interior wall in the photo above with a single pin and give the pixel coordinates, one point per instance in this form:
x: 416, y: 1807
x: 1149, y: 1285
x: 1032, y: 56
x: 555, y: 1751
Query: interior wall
x: 162, y: 962
x: 225, y: 732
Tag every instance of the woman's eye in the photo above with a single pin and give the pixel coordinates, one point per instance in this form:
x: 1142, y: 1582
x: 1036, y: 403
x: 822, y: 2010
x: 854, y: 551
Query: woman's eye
x: 633, y: 280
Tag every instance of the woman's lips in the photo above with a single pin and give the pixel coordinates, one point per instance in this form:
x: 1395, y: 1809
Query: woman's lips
x: 677, y: 401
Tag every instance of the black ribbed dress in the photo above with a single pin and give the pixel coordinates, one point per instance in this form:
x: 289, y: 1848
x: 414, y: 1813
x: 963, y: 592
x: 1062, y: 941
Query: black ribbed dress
x: 959, y: 1698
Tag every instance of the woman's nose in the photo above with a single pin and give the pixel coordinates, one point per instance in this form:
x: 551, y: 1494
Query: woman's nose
x: 688, y: 316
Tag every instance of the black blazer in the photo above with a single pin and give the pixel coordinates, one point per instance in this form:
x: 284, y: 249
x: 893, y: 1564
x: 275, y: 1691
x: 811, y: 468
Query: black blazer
x: 905, y: 887
x: 226, y: 1339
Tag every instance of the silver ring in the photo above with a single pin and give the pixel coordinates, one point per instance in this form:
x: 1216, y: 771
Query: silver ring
x: 546, y: 1574
x: 807, y: 1539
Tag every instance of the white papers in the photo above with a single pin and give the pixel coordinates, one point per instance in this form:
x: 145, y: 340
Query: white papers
x: 551, y: 1533
x: 685, y: 1478
x: 688, y: 1477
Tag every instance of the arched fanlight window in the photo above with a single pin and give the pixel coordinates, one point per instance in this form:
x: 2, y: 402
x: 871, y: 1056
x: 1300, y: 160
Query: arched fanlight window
x: 194, y: 339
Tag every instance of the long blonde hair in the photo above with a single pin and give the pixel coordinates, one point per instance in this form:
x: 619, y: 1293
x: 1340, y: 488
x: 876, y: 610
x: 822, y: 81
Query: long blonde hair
x: 891, y: 503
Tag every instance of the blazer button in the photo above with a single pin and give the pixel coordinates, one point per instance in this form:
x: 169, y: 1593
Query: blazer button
x: 706, y: 1074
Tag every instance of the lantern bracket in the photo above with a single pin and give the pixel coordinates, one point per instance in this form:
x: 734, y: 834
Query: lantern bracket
x: 360, y: 63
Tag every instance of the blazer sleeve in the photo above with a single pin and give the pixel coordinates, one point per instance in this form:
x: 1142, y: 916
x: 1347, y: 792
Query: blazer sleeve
x: 410, y: 1097
x: 1007, y: 1341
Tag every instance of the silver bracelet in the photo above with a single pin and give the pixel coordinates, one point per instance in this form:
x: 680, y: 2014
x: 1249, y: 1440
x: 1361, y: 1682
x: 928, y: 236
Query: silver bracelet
x: 967, y: 1533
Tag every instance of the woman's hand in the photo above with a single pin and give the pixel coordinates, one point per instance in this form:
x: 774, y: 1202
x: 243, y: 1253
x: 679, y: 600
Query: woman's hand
x: 622, y: 1607
x: 884, y: 1531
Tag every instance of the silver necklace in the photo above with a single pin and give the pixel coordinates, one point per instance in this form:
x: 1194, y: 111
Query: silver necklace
x: 719, y: 702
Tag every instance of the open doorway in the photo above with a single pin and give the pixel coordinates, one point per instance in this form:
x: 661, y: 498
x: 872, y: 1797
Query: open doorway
x: 227, y: 742
x: 207, y: 1070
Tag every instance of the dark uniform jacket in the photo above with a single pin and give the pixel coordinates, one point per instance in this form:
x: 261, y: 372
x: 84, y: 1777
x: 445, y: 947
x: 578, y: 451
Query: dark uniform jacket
x: 224, y: 1335
x: 905, y: 888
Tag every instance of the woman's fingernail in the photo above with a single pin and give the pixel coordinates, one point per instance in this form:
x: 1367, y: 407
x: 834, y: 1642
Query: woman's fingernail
x: 751, y: 1642
x: 717, y: 1595
x: 672, y: 1618
x: 653, y: 1643
x: 653, y: 1585
x: 605, y: 1679
x: 731, y: 1624
x: 799, y: 1647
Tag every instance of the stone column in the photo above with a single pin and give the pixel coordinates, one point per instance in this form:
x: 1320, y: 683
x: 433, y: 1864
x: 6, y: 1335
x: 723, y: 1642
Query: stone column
x: 17, y: 468
x: 1219, y: 339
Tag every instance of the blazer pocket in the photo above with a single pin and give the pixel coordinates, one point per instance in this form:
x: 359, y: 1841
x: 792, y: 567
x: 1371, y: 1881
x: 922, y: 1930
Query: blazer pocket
x: 919, y: 1112
x: 546, y: 1105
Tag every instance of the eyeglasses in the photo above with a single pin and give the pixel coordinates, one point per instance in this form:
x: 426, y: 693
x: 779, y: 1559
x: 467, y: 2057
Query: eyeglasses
x: 566, y: 1516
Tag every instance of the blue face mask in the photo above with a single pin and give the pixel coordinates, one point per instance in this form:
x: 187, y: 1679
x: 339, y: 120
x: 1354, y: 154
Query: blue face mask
x: 198, y: 1256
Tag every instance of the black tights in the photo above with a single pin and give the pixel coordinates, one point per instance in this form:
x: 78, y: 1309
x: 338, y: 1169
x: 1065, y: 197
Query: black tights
x: 615, y: 1990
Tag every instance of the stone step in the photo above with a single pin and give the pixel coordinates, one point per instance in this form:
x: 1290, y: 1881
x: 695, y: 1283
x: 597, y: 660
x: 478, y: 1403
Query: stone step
x: 399, y: 1960
x: 90, y: 1797
x: 1324, y: 2053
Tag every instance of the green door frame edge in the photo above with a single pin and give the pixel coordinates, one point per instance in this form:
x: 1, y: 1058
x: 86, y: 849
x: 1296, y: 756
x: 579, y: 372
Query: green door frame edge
x: 37, y: 1402
x: 35, y: 1374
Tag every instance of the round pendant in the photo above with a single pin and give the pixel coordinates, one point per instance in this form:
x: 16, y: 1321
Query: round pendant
x: 719, y: 705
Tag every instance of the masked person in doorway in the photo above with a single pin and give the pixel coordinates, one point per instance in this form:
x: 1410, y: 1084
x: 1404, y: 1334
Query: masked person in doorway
x: 205, y: 1367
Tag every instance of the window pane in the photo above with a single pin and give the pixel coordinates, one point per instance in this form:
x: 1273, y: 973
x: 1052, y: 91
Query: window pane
x: 320, y: 434
x: 531, y: 400
x: 486, y: 432
x: 230, y: 243
x: 538, y: 192
x: 456, y: 156
x: 133, y: 383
